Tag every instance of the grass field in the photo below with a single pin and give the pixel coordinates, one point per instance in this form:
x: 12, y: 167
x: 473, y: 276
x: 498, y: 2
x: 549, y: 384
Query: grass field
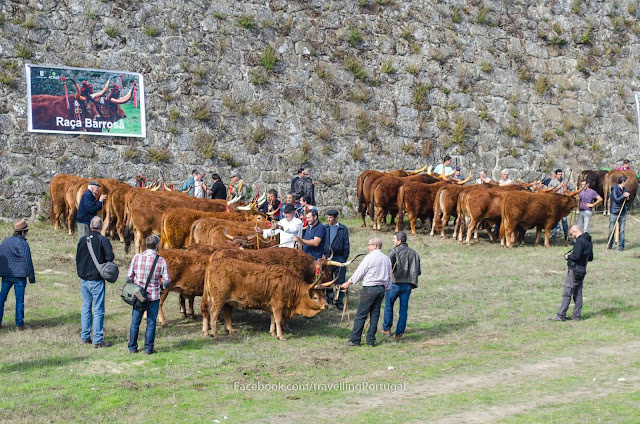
x: 478, y: 348
x: 132, y: 123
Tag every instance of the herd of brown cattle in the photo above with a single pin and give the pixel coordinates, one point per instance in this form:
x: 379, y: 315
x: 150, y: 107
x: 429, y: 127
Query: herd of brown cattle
x: 515, y: 208
x: 211, y: 249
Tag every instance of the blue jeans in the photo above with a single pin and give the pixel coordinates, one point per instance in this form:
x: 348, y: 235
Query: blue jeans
x: 402, y: 291
x: 565, y: 228
x: 621, y: 224
x: 92, y: 292
x: 19, y: 284
x: 150, y: 333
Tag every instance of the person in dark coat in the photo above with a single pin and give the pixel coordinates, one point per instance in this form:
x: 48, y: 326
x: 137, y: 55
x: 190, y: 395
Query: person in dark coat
x: 218, y: 190
x: 577, y: 259
x: 406, y: 270
x: 92, y: 284
x: 338, y: 245
x: 618, y: 213
x: 305, y: 186
x: 16, y: 266
x: 88, y: 208
x: 295, y: 179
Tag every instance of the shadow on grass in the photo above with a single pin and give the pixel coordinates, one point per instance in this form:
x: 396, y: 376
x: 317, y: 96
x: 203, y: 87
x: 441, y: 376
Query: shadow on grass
x: 50, y: 362
x: 438, y: 330
x: 70, y: 318
x: 610, y: 312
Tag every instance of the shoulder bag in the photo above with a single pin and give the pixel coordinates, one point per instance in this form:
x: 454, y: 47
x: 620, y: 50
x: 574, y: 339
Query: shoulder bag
x: 108, y: 270
x: 133, y: 294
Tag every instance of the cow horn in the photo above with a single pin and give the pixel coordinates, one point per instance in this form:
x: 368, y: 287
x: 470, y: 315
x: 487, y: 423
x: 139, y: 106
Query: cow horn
x: 103, y: 91
x: 573, y: 193
x: 234, y: 200
x: 466, y: 180
x: 272, y: 213
x: 244, y: 208
x: 261, y: 202
x: 122, y: 100
x: 449, y: 174
x: 417, y: 171
x: 224, y: 231
x: 330, y: 257
x: 344, y: 264
x: 328, y: 283
x: 429, y: 170
x: 262, y: 197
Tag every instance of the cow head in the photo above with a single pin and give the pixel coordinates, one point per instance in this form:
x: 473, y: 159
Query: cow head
x: 310, y: 302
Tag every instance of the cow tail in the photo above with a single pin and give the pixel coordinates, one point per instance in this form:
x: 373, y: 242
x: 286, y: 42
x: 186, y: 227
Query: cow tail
x: 372, y: 208
x: 163, y: 235
x: 400, y: 201
x: 51, y: 218
x: 127, y: 231
x: 191, y: 239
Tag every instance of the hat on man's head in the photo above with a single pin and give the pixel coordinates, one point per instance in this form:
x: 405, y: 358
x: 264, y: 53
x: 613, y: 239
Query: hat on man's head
x: 288, y: 208
x: 94, y: 183
x: 20, y: 226
x: 458, y: 168
x: 332, y: 212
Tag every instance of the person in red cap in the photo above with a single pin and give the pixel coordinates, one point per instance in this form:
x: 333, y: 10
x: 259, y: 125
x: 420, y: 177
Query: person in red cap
x: 15, y: 267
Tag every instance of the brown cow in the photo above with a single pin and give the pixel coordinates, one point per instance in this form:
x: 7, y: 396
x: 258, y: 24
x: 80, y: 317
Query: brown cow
x: 144, y: 210
x: 612, y: 179
x: 115, y: 210
x: 445, y: 204
x: 176, y: 224
x: 365, y: 182
x: 56, y: 113
x: 385, y: 194
x: 540, y: 210
x: 216, y: 232
x: 230, y: 283
x: 57, y: 189
x: 416, y: 199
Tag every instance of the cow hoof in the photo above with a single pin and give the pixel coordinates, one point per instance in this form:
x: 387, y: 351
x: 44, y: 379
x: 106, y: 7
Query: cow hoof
x: 283, y: 338
x: 231, y: 331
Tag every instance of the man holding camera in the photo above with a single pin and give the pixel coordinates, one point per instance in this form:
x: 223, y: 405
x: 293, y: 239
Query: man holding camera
x: 141, y: 270
x: 577, y: 259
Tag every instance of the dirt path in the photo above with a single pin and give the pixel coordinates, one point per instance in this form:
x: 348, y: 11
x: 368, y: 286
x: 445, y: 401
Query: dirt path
x: 416, y: 393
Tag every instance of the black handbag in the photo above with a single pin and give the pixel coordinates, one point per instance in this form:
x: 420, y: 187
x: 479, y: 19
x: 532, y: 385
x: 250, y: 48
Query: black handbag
x: 133, y: 294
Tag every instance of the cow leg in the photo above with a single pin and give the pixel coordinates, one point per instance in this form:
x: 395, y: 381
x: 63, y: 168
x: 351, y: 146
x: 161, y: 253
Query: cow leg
x: 163, y: 296
x: 204, y: 308
x: 192, y: 314
x: 214, y: 313
x: 363, y: 212
x: 445, y: 221
x: 277, y: 315
x: 183, y: 307
x: 547, y: 233
x: 470, y: 227
x: 226, y: 310
x: 272, y: 327
x: 538, y: 231
x: 412, y: 223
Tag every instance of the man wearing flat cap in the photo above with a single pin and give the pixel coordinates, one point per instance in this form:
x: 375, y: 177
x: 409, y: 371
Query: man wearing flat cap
x: 338, y: 244
x: 15, y: 266
x: 88, y: 208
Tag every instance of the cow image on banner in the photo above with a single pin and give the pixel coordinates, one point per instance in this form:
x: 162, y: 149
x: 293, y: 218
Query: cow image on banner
x: 85, y: 101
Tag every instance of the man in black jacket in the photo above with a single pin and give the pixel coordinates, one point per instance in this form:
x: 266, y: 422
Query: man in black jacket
x: 92, y: 284
x: 88, y: 207
x: 577, y: 259
x: 338, y: 244
x: 305, y: 186
x: 218, y: 190
x: 617, y: 213
x: 406, y: 269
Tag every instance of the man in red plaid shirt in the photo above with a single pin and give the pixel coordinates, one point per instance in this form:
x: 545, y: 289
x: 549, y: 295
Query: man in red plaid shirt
x: 139, y: 273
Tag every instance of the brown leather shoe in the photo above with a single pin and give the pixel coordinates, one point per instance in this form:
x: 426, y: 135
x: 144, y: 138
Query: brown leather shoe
x: 102, y: 344
x: 397, y: 337
x: 386, y: 333
x: 21, y: 328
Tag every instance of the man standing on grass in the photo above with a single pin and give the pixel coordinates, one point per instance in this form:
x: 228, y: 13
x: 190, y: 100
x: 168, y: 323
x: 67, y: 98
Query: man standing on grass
x: 618, y: 211
x: 577, y: 259
x: 139, y: 271
x: 15, y: 266
x: 88, y: 208
x: 92, y: 284
x: 338, y: 245
x: 375, y: 273
x: 406, y: 269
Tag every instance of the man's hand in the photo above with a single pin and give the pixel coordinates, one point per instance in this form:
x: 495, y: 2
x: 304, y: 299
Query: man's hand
x: 626, y: 194
x: 257, y: 229
x: 566, y: 256
x: 102, y: 197
x: 297, y: 239
x: 346, y: 285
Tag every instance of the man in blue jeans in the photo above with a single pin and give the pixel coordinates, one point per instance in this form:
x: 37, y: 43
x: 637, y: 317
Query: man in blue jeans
x: 139, y: 271
x: 15, y: 266
x: 92, y: 283
x: 406, y: 269
x: 618, y: 211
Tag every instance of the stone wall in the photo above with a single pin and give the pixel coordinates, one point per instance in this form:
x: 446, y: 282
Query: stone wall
x: 263, y: 87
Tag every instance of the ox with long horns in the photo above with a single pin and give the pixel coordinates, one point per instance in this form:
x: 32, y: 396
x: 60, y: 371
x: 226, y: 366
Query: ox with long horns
x: 62, y: 113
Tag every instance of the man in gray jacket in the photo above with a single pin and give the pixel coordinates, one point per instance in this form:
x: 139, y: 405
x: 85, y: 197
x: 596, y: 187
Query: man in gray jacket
x: 406, y: 269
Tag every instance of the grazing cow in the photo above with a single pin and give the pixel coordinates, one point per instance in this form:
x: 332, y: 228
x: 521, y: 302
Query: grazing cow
x: 231, y: 283
x: 365, y: 182
x: 612, y: 179
x: 541, y: 210
x: 417, y: 199
x: 216, y: 232
x: 144, y: 210
x: 186, y: 273
x: 385, y: 194
x: 176, y: 224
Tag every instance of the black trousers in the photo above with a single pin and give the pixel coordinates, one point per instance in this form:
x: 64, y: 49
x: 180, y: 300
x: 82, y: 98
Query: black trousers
x: 369, y: 305
x: 572, y: 289
x: 341, y: 273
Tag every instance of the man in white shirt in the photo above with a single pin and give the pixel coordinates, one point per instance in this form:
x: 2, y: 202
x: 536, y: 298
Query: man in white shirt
x: 483, y: 177
x: 505, y: 180
x: 375, y: 273
x: 288, y: 227
x: 447, y: 169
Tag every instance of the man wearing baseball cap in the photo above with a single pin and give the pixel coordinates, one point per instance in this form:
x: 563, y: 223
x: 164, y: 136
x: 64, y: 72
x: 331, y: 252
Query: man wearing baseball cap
x: 88, y: 208
x: 15, y: 266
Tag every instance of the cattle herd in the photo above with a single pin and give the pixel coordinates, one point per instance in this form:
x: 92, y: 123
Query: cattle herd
x: 212, y: 248
x: 515, y: 208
